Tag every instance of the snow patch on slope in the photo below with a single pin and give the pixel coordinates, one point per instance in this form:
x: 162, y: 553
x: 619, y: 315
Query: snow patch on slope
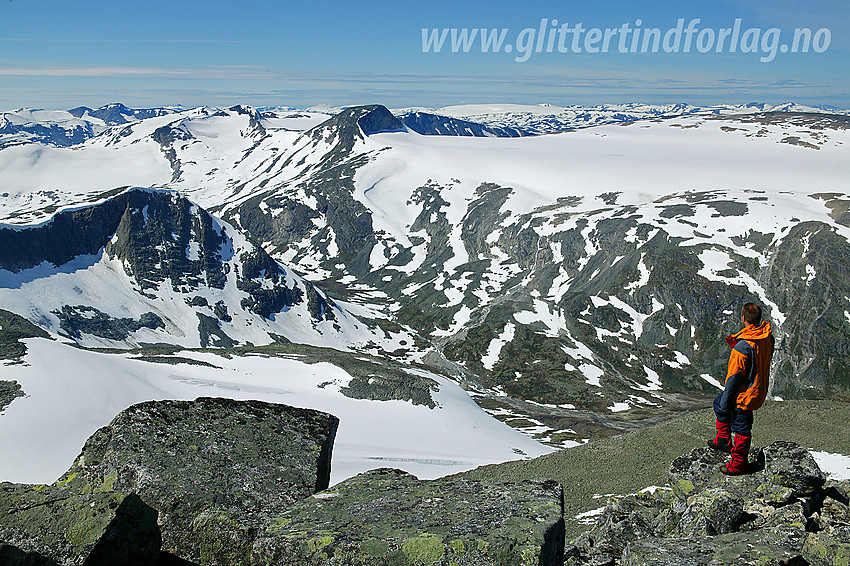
x: 72, y: 392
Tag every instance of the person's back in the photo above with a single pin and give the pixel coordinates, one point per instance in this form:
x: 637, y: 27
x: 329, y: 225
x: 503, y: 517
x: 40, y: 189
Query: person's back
x: 747, y: 377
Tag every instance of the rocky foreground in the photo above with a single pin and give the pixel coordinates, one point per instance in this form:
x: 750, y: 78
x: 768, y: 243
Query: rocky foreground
x: 785, y: 513
x: 223, y: 482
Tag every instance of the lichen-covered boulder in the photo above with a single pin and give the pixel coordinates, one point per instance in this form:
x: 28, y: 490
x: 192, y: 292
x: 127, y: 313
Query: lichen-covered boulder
x: 51, y: 525
x: 711, y: 512
x: 692, y: 472
x: 388, y: 518
x: 762, y: 518
x: 791, y: 466
x: 778, y: 546
x: 774, y: 547
x: 828, y: 548
x: 624, y: 520
x: 215, y: 469
x: 782, y: 472
x: 834, y: 509
x: 668, y: 552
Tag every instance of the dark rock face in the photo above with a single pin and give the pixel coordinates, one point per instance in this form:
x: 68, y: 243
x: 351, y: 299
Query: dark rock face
x: 9, y: 391
x: 436, y: 125
x: 152, y: 238
x: 67, y: 235
x: 77, y: 319
x: 783, y: 514
x: 52, y: 525
x: 387, y: 517
x: 378, y: 119
x: 14, y: 328
x: 816, y: 352
x: 152, y: 231
x: 215, y: 469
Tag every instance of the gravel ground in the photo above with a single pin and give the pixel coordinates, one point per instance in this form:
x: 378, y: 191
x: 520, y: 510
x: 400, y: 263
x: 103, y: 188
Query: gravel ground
x: 630, y: 462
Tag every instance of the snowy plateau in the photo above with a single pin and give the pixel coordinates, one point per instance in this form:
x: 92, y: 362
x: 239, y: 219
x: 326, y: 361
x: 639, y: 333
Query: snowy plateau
x: 460, y: 286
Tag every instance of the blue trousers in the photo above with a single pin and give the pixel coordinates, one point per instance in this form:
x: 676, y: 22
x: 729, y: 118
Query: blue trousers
x: 741, y: 421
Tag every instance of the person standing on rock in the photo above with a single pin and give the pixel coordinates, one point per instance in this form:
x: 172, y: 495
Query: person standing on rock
x: 745, y: 390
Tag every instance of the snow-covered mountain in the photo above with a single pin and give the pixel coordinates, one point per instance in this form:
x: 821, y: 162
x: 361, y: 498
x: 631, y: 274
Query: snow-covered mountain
x: 124, y: 281
x: 66, y: 128
x: 147, y: 267
x: 546, y: 118
x: 573, y: 282
x: 62, y: 128
x: 431, y: 124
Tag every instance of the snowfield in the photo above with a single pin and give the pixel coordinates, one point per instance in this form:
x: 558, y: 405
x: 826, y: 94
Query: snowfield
x: 70, y: 393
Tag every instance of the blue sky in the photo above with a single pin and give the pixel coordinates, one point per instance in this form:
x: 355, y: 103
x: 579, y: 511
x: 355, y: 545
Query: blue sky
x: 59, y: 54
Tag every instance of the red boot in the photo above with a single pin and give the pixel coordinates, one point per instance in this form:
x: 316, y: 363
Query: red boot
x: 723, y: 440
x: 739, y: 464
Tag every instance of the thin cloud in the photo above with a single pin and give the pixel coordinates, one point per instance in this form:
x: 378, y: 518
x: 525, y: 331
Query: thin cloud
x: 127, y: 40
x: 219, y: 72
x: 87, y: 71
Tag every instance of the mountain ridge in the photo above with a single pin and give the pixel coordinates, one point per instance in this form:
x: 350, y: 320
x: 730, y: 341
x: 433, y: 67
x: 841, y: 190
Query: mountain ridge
x: 165, y: 246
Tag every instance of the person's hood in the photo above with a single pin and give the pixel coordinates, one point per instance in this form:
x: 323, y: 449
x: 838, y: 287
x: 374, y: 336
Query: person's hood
x: 751, y: 332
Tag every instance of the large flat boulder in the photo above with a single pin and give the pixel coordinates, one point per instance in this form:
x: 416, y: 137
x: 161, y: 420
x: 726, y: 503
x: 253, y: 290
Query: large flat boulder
x: 388, y: 517
x: 51, y: 525
x: 769, y: 548
x: 215, y: 469
x: 784, y: 472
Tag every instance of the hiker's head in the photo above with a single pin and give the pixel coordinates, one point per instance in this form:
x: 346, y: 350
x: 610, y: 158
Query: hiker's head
x: 751, y: 314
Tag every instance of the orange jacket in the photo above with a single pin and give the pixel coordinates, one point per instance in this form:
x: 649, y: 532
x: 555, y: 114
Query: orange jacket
x: 749, y: 366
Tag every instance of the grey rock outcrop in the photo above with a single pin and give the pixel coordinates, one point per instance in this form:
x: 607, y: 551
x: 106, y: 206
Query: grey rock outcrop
x: 388, y: 517
x: 783, y: 513
x: 786, y: 472
x: 9, y: 391
x: 13, y: 329
x: 215, y: 469
x: 52, y: 525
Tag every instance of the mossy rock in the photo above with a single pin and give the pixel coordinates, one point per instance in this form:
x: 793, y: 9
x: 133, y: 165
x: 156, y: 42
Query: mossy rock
x: 827, y: 549
x: 215, y: 469
x: 389, y: 518
x: 53, y: 525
